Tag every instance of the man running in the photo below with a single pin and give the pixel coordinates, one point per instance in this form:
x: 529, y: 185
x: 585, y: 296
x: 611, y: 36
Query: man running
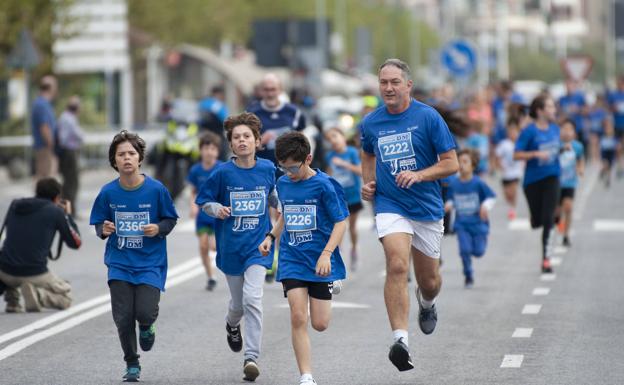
x: 407, y: 147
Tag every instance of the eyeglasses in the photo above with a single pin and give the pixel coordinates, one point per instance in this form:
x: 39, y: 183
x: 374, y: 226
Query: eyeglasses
x: 290, y: 170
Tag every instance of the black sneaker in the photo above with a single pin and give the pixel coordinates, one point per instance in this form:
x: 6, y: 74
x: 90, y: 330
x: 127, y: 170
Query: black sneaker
x: 250, y: 370
x: 210, y: 286
x: 427, y: 318
x: 133, y: 373
x: 468, y: 282
x: 234, y: 337
x: 566, y: 241
x: 400, y: 357
x: 147, y: 338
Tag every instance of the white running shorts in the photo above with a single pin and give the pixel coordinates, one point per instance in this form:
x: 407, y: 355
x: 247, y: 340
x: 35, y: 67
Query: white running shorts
x: 426, y: 235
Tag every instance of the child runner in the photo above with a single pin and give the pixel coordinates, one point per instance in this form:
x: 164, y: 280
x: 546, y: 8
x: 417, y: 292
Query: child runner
x: 539, y: 144
x: 472, y: 199
x: 135, y: 213
x: 511, y: 169
x: 209, y: 145
x: 479, y: 141
x: 572, y: 164
x: 609, y: 147
x: 345, y: 168
x: 314, y: 215
x: 238, y: 194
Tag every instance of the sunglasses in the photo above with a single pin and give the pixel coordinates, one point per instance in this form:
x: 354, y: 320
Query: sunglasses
x: 290, y: 170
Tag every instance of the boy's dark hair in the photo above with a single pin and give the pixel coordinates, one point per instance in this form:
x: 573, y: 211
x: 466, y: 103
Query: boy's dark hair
x: 474, y: 156
x: 292, y: 145
x: 247, y: 119
x: 537, y: 104
x: 517, y: 111
x: 47, y: 188
x: 567, y: 121
x: 125, y: 136
x: 208, y: 138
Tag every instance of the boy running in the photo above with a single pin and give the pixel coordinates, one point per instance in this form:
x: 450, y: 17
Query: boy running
x: 238, y: 194
x: 572, y: 164
x: 472, y: 200
x: 135, y: 213
x: 209, y: 145
x: 314, y: 215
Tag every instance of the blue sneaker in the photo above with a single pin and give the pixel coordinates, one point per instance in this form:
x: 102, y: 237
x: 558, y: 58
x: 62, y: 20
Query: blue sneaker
x: 400, y: 357
x: 133, y: 373
x: 147, y: 338
x: 427, y: 318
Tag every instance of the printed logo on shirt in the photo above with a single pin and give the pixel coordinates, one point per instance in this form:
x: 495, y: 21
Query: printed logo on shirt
x: 467, y: 204
x: 412, y: 128
x: 145, y: 205
x: 300, y: 217
x: 552, y: 148
x: 248, y: 203
x: 398, y: 151
x: 129, y: 242
x: 297, y: 238
x: 245, y: 223
x: 130, y: 224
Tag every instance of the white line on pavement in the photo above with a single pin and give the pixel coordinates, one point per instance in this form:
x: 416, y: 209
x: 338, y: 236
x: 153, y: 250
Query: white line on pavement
x: 541, y: 291
x: 531, y: 309
x: 586, y: 190
x: 522, y: 333
x: 548, y: 277
x: 335, y: 305
x: 177, y: 274
x: 556, y: 261
x: 560, y: 250
x: 520, y: 224
x: 608, y: 225
x: 512, y: 361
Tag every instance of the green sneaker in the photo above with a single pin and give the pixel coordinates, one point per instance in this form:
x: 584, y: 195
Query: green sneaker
x: 133, y: 373
x: 147, y: 338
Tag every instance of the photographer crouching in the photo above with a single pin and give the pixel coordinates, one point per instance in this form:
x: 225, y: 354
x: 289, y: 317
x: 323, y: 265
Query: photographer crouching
x: 31, y: 224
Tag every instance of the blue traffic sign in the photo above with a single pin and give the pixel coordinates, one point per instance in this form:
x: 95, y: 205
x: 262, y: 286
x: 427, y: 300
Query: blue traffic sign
x: 459, y: 58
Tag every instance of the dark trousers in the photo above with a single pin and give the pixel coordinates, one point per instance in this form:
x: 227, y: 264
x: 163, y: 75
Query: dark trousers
x: 543, y: 197
x: 69, y: 169
x: 131, y: 304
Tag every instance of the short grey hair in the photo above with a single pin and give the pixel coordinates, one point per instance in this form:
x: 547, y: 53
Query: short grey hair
x: 400, y: 64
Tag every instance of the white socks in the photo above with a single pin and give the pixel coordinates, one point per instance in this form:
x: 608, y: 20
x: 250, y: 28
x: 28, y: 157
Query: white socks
x: 426, y: 304
x: 400, y: 333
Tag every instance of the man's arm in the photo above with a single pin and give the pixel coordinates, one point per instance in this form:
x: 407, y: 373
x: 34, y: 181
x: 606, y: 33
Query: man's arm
x: 368, y: 167
x: 46, y: 135
x: 69, y: 231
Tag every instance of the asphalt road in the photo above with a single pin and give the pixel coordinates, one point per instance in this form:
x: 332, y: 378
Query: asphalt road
x: 575, y: 335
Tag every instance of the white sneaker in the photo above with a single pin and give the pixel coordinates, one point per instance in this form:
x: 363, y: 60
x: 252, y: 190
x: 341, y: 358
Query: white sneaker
x: 337, y: 287
x: 307, y: 381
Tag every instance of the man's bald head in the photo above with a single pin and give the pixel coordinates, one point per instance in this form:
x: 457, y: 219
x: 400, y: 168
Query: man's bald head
x: 270, y: 90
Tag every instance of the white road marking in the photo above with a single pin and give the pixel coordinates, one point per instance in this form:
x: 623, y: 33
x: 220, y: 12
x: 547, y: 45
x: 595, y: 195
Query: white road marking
x: 178, y: 274
x: 560, y: 250
x: 541, y: 291
x: 336, y: 305
x: 586, y: 189
x: 512, y: 361
x: 520, y: 224
x: 556, y: 261
x: 609, y: 225
x: 531, y: 309
x: 548, y: 277
x: 522, y: 333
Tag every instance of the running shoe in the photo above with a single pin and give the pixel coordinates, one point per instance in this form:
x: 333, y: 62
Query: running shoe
x: 468, y: 282
x: 546, y: 267
x: 133, y: 373
x: 307, y: 381
x: 400, y: 357
x: 427, y: 318
x: 566, y: 241
x: 210, y: 286
x: 250, y: 370
x: 147, y: 338
x: 234, y: 337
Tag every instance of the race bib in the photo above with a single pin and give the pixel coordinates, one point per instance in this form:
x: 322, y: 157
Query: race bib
x: 300, y: 217
x: 248, y: 203
x: 344, y: 177
x: 394, y: 147
x: 552, y: 148
x: 467, y: 204
x: 130, y: 224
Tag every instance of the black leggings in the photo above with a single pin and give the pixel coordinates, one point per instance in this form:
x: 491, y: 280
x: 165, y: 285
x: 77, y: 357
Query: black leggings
x: 542, y: 197
x: 131, y: 304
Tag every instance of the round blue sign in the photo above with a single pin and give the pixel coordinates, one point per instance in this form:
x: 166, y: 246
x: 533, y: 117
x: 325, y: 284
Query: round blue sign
x: 459, y: 58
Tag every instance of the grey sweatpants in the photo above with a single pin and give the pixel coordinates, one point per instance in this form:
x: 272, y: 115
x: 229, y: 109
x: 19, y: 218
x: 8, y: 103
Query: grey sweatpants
x: 246, y: 303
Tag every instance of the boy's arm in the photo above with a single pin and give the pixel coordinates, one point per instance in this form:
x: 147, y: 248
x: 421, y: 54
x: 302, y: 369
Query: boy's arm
x: 323, y: 265
x: 265, y: 246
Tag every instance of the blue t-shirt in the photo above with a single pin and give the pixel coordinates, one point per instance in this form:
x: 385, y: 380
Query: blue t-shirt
x: 616, y: 101
x: 310, y: 209
x: 596, y: 120
x: 287, y: 118
x: 534, y: 139
x: 411, y: 140
x: 567, y: 160
x: 570, y: 102
x: 246, y: 191
x: 129, y: 255
x: 467, y: 197
x: 608, y: 143
x: 350, y: 181
x: 480, y: 143
x: 196, y: 177
x: 42, y: 113
x: 215, y: 107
